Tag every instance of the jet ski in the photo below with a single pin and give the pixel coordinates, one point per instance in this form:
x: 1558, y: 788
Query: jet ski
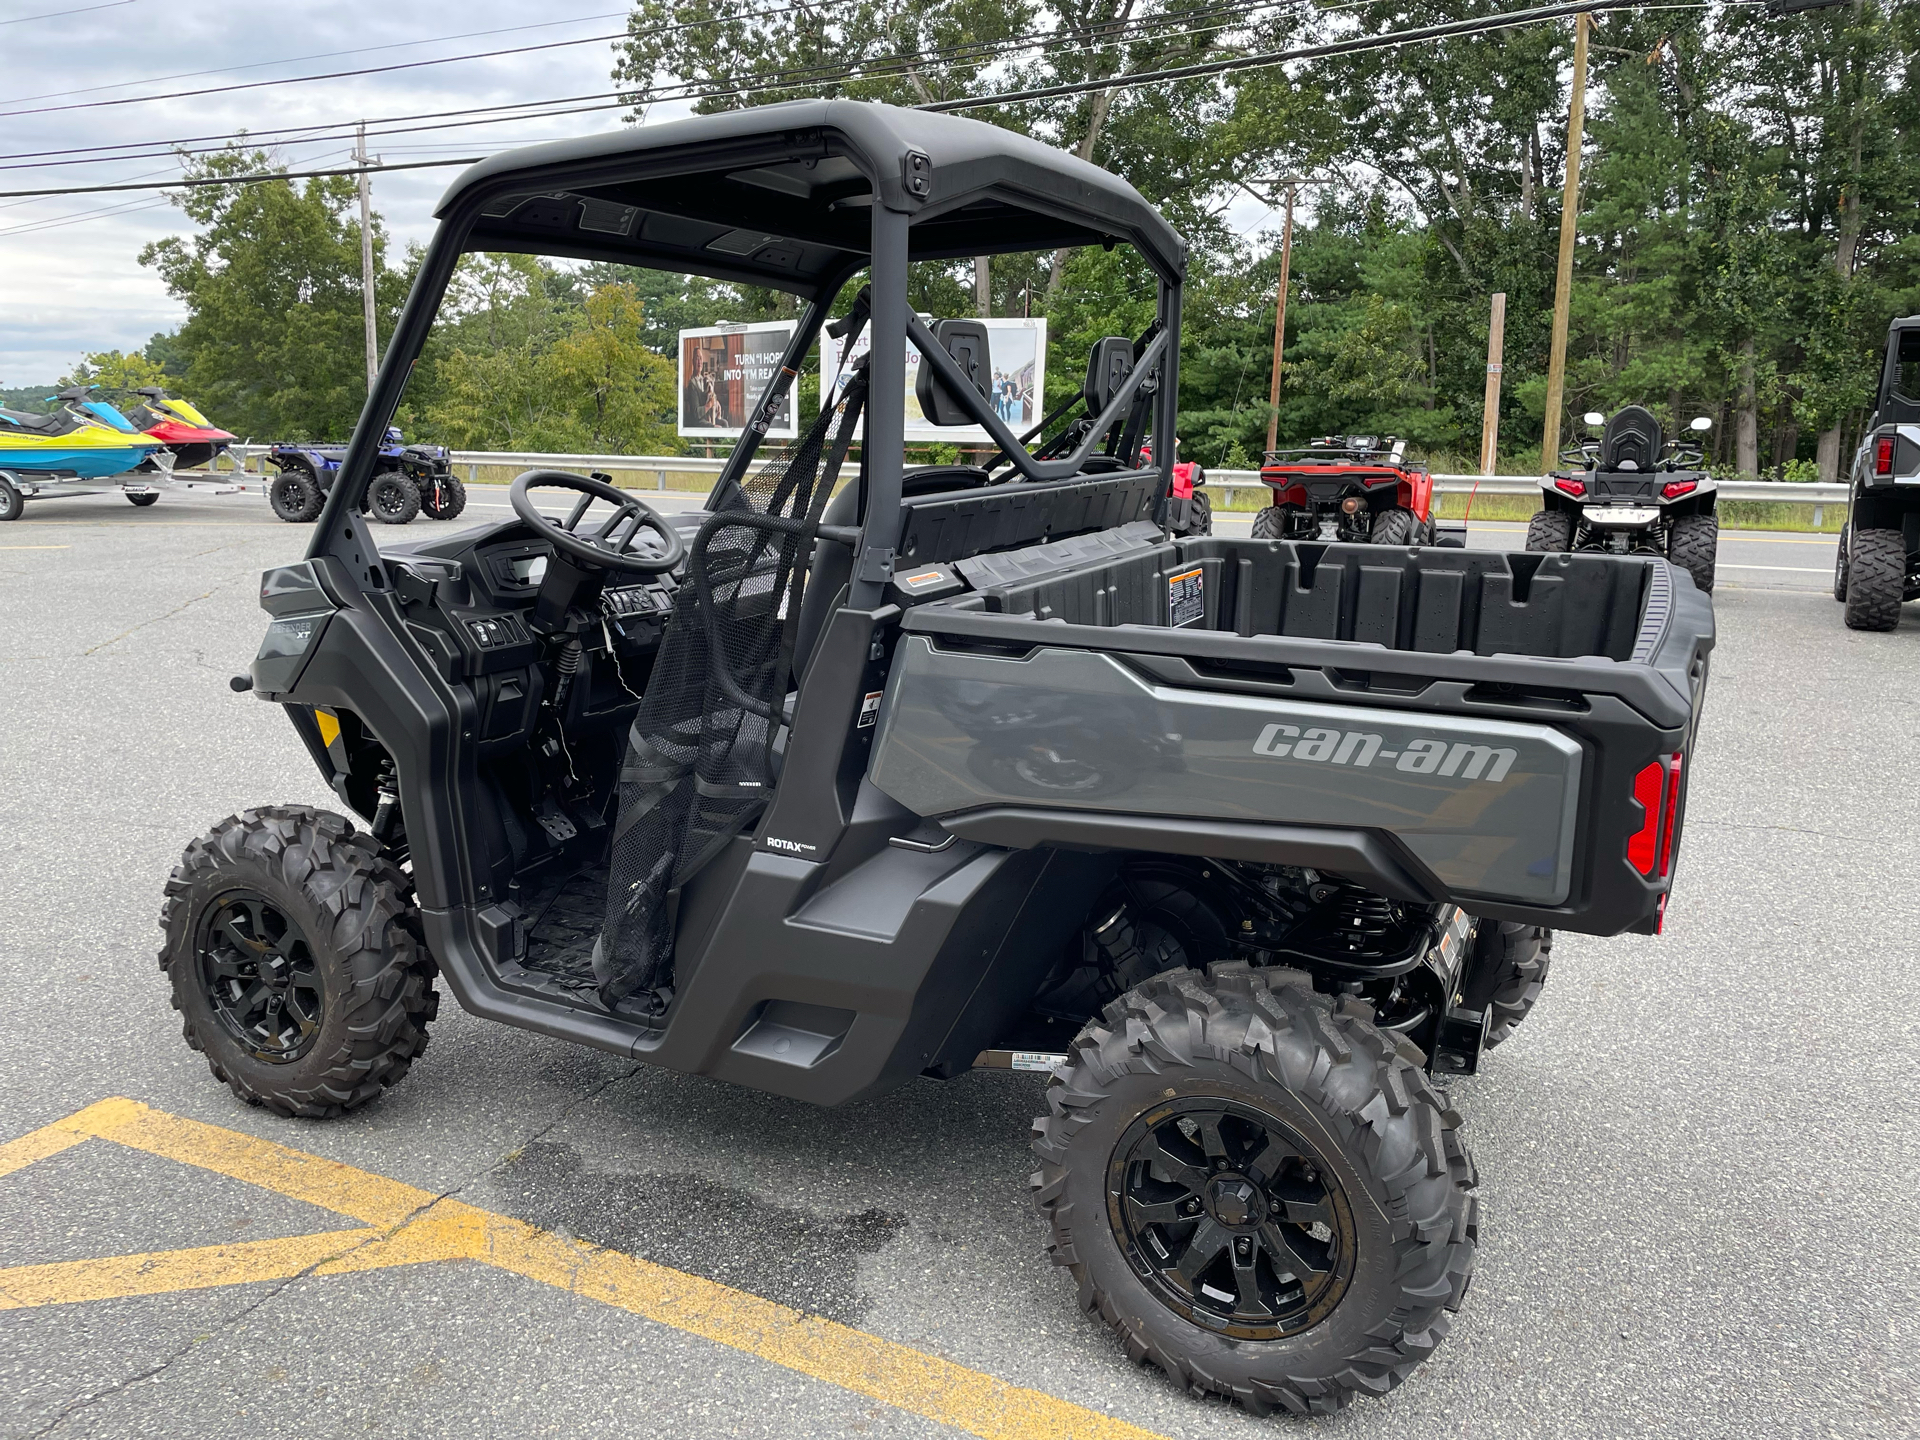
x: 193, y: 439
x: 85, y: 439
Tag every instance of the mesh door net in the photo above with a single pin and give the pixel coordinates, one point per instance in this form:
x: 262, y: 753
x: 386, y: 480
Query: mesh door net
x: 699, y: 764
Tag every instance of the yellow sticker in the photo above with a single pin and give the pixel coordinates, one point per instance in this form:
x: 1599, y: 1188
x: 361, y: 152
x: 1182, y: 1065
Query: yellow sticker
x: 329, y: 727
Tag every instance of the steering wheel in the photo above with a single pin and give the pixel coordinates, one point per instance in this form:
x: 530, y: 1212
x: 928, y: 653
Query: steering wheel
x: 609, y: 546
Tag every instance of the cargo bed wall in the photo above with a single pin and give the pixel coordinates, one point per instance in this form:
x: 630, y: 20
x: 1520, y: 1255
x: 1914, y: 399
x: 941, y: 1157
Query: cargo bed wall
x: 1473, y: 722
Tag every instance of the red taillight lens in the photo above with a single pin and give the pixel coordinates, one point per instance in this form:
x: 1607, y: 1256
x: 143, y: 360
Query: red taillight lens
x: 1883, y: 455
x: 1674, y: 489
x: 1673, y: 804
x: 1575, y: 488
x: 1649, y: 788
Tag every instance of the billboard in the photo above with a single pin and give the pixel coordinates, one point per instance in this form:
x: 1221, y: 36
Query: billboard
x: 724, y: 370
x: 1017, y: 391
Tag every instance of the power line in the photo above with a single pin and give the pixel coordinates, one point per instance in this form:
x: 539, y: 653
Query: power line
x: 63, y: 14
x: 882, y: 67
x: 300, y: 59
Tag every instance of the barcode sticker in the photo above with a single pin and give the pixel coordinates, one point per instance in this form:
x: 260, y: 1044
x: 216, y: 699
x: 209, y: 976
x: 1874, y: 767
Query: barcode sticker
x: 1186, y: 597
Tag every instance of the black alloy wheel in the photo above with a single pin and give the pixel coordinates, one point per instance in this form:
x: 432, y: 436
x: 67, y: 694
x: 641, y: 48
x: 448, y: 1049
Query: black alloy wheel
x: 259, y: 977
x: 1231, y: 1219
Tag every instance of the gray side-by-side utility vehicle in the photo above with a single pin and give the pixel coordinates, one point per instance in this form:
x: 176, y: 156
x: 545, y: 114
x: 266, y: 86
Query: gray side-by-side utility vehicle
x: 866, y: 773
x: 1876, y: 568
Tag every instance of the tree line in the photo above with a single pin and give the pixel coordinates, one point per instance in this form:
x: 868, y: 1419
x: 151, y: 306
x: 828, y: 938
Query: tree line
x: 1750, y: 187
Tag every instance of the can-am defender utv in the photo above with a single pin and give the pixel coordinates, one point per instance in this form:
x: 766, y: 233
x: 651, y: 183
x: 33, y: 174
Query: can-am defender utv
x: 1638, y: 494
x: 1877, y: 566
x: 1359, y: 488
x: 831, y: 786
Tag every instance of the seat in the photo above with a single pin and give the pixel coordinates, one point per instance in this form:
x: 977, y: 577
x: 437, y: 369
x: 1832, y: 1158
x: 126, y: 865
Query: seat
x: 1632, y: 441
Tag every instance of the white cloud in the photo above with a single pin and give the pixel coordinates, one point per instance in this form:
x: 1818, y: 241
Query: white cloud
x: 74, y: 287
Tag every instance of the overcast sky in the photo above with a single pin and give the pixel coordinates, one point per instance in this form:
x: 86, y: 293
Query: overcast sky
x: 70, y: 278
x: 71, y: 282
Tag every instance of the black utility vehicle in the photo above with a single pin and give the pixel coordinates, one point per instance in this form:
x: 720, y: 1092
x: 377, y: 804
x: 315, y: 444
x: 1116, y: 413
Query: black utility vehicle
x: 1637, y: 494
x: 832, y: 786
x: 1877, y: 567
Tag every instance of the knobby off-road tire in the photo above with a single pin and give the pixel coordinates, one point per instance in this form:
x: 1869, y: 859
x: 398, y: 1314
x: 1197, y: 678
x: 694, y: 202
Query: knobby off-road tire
x: 1199, y: 514
x: 392, y: 498
x: 295, y: 497
x: 1876, y: 580
x: 143, y: 500
x: 451, y: 500
x: 1694, y: 545
x: 1507, y: 974
x: 1840, y: 564
x: 1396, y: 527
x: 1272, y: 523
x: 1375, y: 1153
x: 357, y: 989
x: 1550, y: 530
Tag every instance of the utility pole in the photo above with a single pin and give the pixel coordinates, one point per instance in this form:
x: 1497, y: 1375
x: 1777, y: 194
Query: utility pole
x: 366, y: 258
x: 1569, y: 222
x: 1292, y: 183
x: 983, y: 285
x: 1490, y: 422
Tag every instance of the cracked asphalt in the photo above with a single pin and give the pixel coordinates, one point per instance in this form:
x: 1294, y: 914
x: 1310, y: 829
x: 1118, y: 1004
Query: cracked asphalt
x: 1699, y: 1157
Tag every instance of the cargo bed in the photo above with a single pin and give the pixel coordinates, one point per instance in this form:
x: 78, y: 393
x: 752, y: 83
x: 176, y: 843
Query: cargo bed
x: 1507, y: 732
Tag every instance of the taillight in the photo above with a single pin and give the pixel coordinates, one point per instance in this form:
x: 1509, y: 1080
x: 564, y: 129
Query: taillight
x: 1575, y: 488
x: 1883, y: 455
x: 1673, y: 804
x: 1649, y: 788
x: 1674, y: 489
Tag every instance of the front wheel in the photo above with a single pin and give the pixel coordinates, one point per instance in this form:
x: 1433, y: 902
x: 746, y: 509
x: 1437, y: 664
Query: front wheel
x: 1694, y: 545
x: 290, y: 946
x: 1257, y: 1189
x: 392, y: 498
x: 443, y: 499
x: 1550, y: 530
x: 1840, y: 564
x: 142, y: 500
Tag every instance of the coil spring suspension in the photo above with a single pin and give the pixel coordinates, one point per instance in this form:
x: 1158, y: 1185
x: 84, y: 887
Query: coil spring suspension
x: 1361, y: 923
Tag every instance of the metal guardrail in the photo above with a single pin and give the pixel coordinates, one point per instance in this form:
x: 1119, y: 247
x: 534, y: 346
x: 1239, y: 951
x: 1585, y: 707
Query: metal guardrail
x: 660, y: 467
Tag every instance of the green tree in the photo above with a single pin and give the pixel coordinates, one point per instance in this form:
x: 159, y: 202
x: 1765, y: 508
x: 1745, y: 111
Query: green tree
x: 272, y: 345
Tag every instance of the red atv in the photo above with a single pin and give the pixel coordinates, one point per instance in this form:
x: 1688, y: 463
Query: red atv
x: 1358, y: 488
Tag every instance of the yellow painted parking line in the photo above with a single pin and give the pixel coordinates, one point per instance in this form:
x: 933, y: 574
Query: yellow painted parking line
x: 411, y: 1226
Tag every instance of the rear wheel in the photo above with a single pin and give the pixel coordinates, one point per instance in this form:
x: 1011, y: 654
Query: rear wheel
x: 295, y: 497
x: 1274, y: 522
x: 1550, y: 530
x: 1396, y: 527
x: 294, y: 965
x: 1876, y: 579
x: 1506, y: 974
x: 142, y: 500
x: 444, y: 499
x: 1840, y: 564
x: 1694, y: 545
x: 1257, y: 1189
x: 1199, y: 515
x: 392, y: 498
x: 12, y: 502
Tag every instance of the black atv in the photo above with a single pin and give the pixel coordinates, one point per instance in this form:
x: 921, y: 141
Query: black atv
x: 410, y: 480
x: 831, y: 787
x: 1635, y: 494
x: 1876, y: 568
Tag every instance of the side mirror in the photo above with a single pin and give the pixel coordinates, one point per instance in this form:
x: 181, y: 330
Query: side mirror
x: 1700, y: 422
x: 1594, y: 418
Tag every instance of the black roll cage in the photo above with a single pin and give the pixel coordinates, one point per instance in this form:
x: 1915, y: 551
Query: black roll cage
x: 907, y: 187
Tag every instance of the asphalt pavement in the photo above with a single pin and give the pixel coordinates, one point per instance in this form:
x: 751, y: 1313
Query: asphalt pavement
x: 1699, y: 1156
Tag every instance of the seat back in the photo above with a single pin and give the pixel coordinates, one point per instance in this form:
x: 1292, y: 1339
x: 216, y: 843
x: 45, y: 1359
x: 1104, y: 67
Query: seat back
x: 1631, y: 441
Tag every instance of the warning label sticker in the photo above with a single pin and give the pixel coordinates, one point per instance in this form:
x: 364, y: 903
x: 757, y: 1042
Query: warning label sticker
x: 1186, y: 597
x: 869, y: 709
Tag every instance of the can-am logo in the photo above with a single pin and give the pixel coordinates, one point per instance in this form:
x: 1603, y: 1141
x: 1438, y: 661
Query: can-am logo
x: 1360, y: 749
